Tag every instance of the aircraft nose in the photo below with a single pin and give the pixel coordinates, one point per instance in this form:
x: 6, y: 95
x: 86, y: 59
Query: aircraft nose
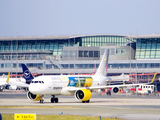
x: 32, y: 89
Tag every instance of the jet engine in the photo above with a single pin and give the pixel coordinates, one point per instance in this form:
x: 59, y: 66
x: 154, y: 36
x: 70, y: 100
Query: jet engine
x: 83, y: 95
x: 33, y: 97
x: 115, y: 89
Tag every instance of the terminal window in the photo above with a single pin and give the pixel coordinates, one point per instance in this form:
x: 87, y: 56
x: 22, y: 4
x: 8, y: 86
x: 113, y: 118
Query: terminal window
x: 112, y: 51
x: 85, y: 53
x: 90, y: 53
x: 118, y: 51
x: 123, y: 51
x: 80, y: 53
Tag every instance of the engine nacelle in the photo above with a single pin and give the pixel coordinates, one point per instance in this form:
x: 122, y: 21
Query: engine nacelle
x: 83, y: 94
x: 33, y: 97
x: 115, y: 89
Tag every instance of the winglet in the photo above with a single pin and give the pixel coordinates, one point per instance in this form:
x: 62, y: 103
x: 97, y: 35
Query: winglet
x: 8, y: 76
x: 154, y: 77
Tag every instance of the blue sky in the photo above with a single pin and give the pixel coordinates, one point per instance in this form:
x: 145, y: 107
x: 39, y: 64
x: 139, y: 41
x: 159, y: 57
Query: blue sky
x: 77, y: 17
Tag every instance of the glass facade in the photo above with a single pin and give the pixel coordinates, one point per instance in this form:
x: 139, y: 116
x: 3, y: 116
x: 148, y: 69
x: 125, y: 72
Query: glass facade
x: 100, y: 40
x: 114, y: 66
x: 24, y: 57
x: 115, y: 51
x: 148, y: 48
x: 56, y: 45
x: 84, y: 66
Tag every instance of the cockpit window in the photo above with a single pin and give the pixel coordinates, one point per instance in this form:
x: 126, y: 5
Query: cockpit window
x: 37, y: 82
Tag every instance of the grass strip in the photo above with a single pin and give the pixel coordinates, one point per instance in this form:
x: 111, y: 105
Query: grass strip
x: 61, y: 117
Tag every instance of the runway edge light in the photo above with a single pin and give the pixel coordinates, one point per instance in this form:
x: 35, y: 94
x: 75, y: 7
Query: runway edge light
x: 100, y: 117
x: 20, y: 116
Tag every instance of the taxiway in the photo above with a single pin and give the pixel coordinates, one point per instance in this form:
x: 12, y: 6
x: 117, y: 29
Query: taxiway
x: 124, y: 106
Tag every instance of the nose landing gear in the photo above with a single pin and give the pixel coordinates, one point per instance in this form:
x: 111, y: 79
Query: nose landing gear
x: 42, y: 99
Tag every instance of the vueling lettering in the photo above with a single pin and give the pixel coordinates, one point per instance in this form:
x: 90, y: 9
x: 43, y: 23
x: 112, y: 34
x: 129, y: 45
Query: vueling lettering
x: 56, y: 78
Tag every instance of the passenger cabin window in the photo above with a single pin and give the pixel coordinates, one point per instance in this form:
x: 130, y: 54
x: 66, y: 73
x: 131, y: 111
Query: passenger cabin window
x: 37, y: 82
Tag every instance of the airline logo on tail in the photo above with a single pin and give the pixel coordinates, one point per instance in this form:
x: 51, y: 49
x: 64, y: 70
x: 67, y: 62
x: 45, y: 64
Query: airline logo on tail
x: 26, y: 73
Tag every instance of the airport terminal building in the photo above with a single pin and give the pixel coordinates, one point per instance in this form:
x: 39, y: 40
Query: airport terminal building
x: 80, y: 54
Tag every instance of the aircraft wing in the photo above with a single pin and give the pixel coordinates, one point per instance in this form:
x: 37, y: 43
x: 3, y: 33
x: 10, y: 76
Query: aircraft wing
x: 72, y: 89
x: 18, y: 84
x: 111, y: 86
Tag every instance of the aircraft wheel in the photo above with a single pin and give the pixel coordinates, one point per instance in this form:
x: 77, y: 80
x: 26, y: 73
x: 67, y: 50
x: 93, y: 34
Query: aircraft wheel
x: 52, y: 100
x: 87, y: 101
x: 56, y: 100
x: 41, y: 101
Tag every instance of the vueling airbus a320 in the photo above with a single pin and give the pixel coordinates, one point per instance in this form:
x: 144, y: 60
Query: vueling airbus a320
x: 78, y: 85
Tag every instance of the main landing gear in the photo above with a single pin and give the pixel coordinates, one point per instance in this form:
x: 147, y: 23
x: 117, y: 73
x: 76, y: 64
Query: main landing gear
x: 86, y: 101
x: 54, y: 99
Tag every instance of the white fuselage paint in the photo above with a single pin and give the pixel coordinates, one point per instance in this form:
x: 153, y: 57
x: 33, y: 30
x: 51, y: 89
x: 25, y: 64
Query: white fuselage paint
x: 17, y: 80
x: 3, y: 81
x: 59, y: 84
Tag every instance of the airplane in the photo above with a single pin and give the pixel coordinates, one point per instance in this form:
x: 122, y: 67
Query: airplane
x: 15, y: 83
x: 12, y: 83
x: 80, y: 86
x: 3, y: 83
x: 24, y: 82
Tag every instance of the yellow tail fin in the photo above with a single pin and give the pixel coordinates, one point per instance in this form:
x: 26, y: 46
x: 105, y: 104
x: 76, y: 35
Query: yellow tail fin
x: 154, y: 77
x: 8, y: 76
